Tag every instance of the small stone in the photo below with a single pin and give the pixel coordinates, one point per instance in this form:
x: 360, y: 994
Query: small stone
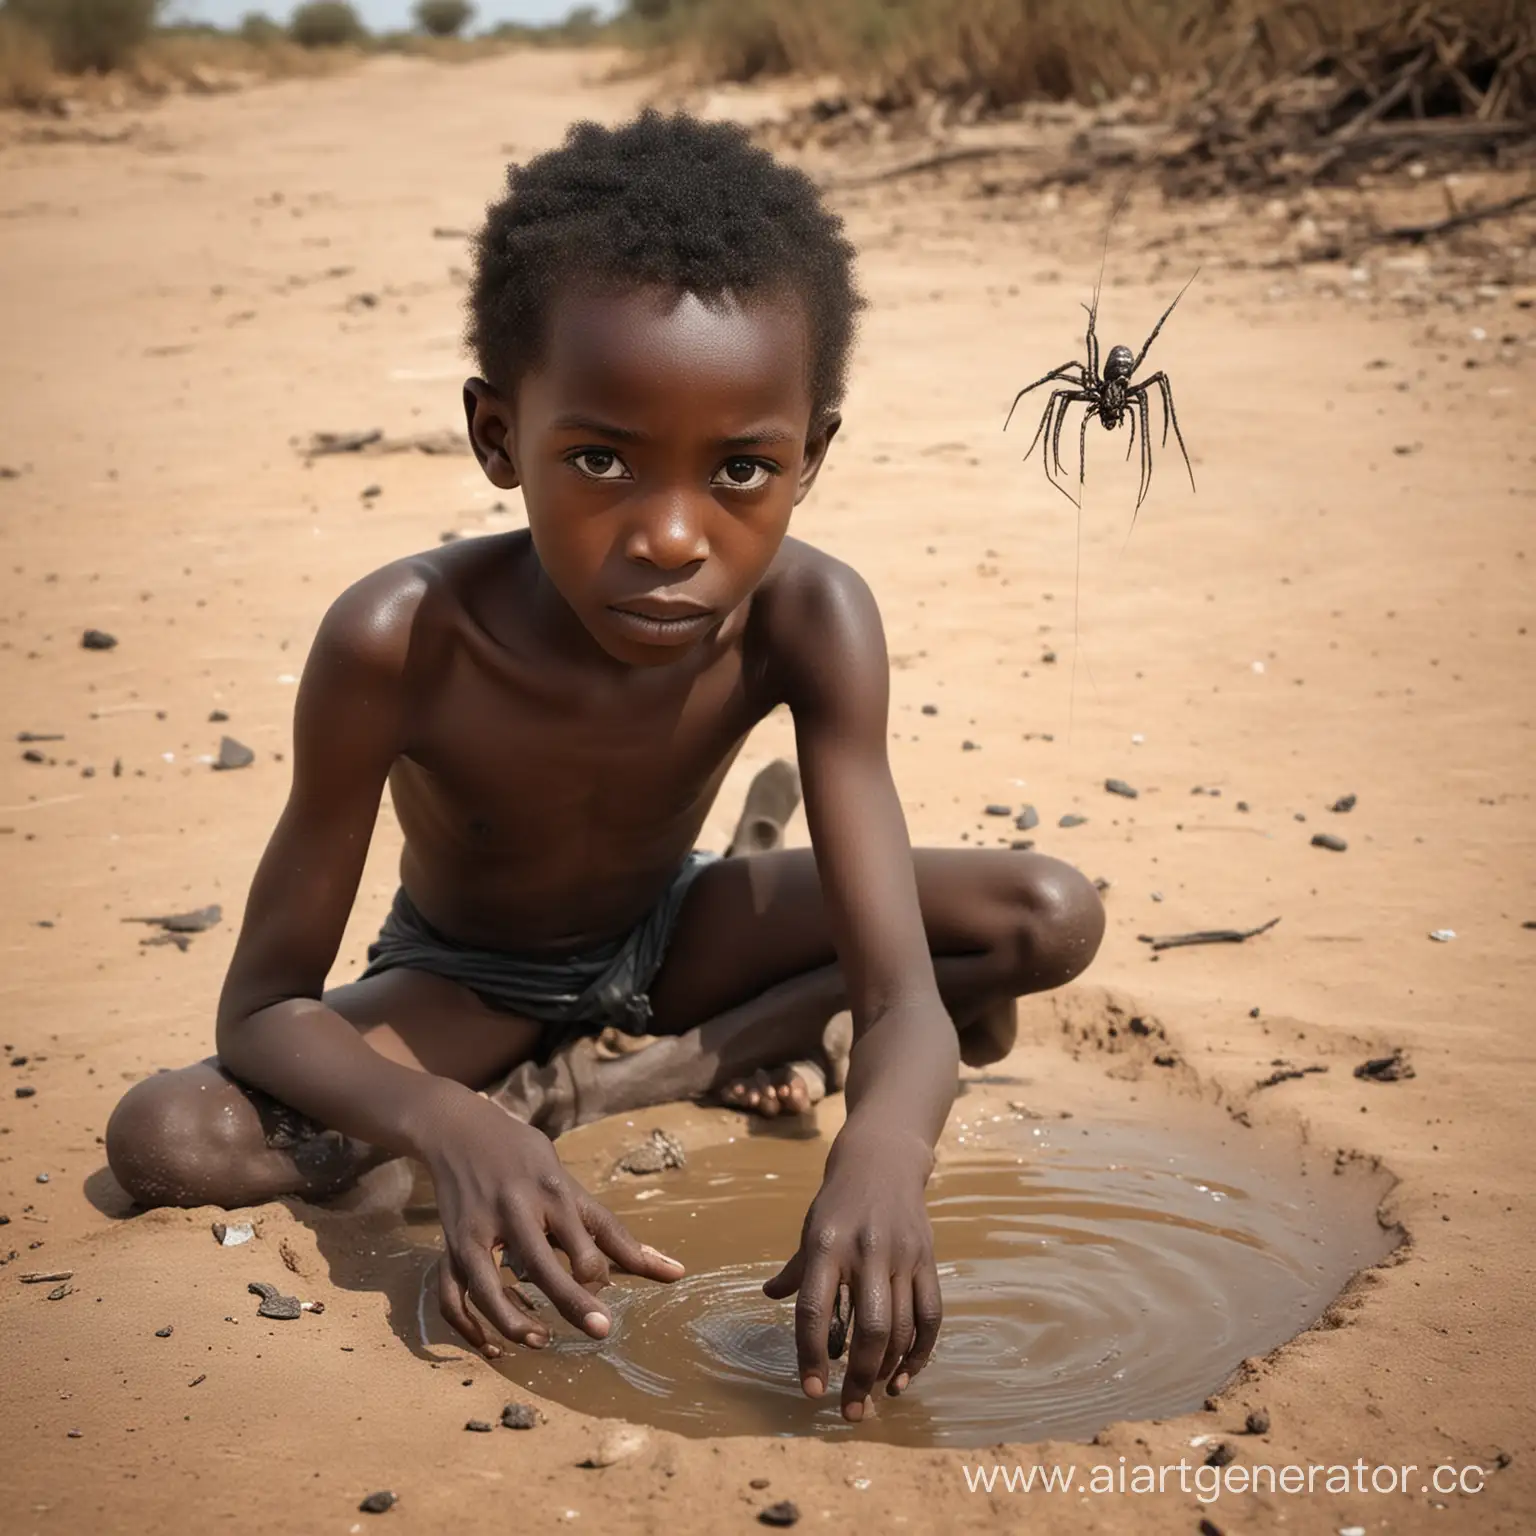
x: 759, y: 1483
x: 785, y: 1512
x: 1208, y: 1527
x: 42, y: 1178
x: 97, y: 640
x: 1120, y: 787
x: 1021, y: 844
x: 25, y: 1091
x: 1343, y: 803
x: 217, y: 717
x: 282, y: 1309
x: 166, y: 1332
x: 232, y: 1234
x: 616, y: 1443
x: 1048, y: 657
x: 1386, y: 1069
x: 660, y: 1152
x: 58, y: 1293
x: 969, y: 746
x: 1439, y: 935
x: 930, y: 709
x: 1257, y: 1422
x: 76, y: 1434
x: 519, y: 1416
x: 32, y: 755
x: 1242, y: 805
x: 1220, y: 1454
x: 478, y: 1426
x: 370, y: 491
x: 999, y: 810
x: 1329, y: 841
x: 233, y: 754
x: 1072, y: 820
x: 378, y: 1503
x: 1027, y: 818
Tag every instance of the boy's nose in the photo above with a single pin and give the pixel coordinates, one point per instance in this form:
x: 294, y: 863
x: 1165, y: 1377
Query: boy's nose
x: 669, y: 535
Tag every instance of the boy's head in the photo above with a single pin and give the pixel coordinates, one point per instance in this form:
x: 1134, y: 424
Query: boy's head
x: 665, y: 202
x: 663, y: 316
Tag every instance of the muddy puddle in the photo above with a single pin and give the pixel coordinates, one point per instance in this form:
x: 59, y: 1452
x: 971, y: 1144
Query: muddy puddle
x: 1091, y: 1273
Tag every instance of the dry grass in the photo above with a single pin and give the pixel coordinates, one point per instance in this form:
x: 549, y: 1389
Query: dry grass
x: 1000, y: 52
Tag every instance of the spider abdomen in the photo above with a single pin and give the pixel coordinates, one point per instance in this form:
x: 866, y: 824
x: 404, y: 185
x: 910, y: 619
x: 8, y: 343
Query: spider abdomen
x: 1112, y: 399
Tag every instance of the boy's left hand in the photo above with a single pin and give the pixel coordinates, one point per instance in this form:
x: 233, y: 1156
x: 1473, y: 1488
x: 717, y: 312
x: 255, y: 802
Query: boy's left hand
x: 867, y: 1228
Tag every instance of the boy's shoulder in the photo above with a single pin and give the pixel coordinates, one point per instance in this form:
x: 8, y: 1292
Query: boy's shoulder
x: 391, y: 613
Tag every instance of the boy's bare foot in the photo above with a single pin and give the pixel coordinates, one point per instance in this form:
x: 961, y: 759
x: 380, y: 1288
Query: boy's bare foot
x: 794, y: 1087
x: 771, y: 801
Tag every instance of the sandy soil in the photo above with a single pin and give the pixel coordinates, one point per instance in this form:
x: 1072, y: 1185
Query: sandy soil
x: 1330, y: 614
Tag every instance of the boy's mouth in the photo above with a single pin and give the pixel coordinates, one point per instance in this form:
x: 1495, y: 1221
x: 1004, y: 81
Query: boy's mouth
x: 662, y: 621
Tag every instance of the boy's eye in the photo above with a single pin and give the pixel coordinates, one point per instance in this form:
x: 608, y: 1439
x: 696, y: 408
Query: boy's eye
x: 599, y: 464
x: 744, y: 474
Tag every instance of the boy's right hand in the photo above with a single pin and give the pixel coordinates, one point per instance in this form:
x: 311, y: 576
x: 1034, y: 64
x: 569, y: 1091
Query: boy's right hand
x: 501, y: 1186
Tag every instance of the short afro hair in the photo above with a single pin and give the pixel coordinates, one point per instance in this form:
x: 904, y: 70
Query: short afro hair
x: 668, y: 201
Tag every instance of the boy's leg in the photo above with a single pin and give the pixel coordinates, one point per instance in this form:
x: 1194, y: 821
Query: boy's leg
x: 750, y: 981
x: 197, y: 1137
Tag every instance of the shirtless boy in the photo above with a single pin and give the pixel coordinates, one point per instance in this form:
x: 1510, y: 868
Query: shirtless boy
x: 662, y: 316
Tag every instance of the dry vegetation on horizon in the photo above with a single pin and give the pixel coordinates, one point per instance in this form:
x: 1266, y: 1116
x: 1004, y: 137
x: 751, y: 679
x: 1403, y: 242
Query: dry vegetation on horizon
x: 1001, y: 52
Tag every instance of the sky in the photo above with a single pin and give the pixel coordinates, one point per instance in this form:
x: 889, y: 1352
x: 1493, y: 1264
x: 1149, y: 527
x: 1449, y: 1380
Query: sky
x: 383, y: 15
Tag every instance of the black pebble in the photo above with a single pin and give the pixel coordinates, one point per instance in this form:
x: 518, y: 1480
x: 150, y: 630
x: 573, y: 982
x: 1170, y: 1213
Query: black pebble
x: 1242, y: 805
x: 378, y: 1503
x: 1022, y: 844
x: 1028, y: 817
x: 217, y: 717
x: 1258, y: 1422
x: 519, y: 1416
x: 930, y: 709
x: 166, y: 1332
x: 1070, y: 820
x: 1329, y: 841
x: 1343, y: 803
x: 18, y: 1061
x: 97, y: 640
x: 479, y: 1426
x: 1120, y: 787
x: 1219, y: 1454
x: 25, y: 1091
x: 32, y: 755
x: 233, y: 754
x: 968, y: 746
x: 1209, y: 1527
x: 999, y: 810
x: 785, y: 1512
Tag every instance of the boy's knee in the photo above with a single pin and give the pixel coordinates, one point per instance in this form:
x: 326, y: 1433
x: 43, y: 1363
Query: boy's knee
x: 169, y: 1141
x: 1054, y: 925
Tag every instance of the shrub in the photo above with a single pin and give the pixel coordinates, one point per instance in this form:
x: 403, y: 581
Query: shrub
x: 443, y: 18
x: 88, y: 34
x: 326, y: 24
x: 26, y: 66
x: 258, y: 29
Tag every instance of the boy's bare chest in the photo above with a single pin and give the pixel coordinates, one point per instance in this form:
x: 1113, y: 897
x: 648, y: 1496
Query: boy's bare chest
x: 522, y: 762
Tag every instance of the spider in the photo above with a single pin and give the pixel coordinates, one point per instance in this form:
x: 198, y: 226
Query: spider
x: 1111, y: 397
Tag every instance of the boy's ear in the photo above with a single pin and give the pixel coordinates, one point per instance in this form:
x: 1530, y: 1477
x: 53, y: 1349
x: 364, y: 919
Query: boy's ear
x: 816, y: 446
x: 488, y: 419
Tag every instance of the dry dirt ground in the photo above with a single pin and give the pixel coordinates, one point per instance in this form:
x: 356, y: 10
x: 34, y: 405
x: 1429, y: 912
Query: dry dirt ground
x: 1342, y: 608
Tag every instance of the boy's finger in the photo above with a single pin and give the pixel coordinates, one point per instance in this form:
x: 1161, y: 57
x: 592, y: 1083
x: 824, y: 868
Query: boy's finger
x: 871, y: 1337
x: 813, y: 1316
x: 485, y: 1290
x: 787, y: 1281
x: 450, y: 1302
x: 568, y: 1231
x: 903, y: 1330
x: 621, y: 1245
x: 928, y: 1306
x: 572, y: 1300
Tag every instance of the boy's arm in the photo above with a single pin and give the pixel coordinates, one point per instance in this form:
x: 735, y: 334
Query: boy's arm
x: 499, y: 1184
x: 868, y: 1226
x: 273, y: 1030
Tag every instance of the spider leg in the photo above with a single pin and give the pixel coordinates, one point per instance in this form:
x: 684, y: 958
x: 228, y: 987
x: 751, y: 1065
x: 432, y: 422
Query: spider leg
x: 1056, y: 405
x: 1147, y: 345
x: 1092, y: 337
x: 1061, y: 417
x: 1055, y: 373
x: 1140, y: 396
x: 1082, y: 451
x: 1131, y: 417
x: 1169, y: 414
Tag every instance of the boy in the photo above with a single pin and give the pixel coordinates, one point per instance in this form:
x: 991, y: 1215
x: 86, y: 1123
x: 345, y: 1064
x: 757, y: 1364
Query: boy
x: 662, y: 316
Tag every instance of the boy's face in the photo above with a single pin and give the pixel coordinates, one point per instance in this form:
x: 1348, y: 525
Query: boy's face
x: 661, y: 446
